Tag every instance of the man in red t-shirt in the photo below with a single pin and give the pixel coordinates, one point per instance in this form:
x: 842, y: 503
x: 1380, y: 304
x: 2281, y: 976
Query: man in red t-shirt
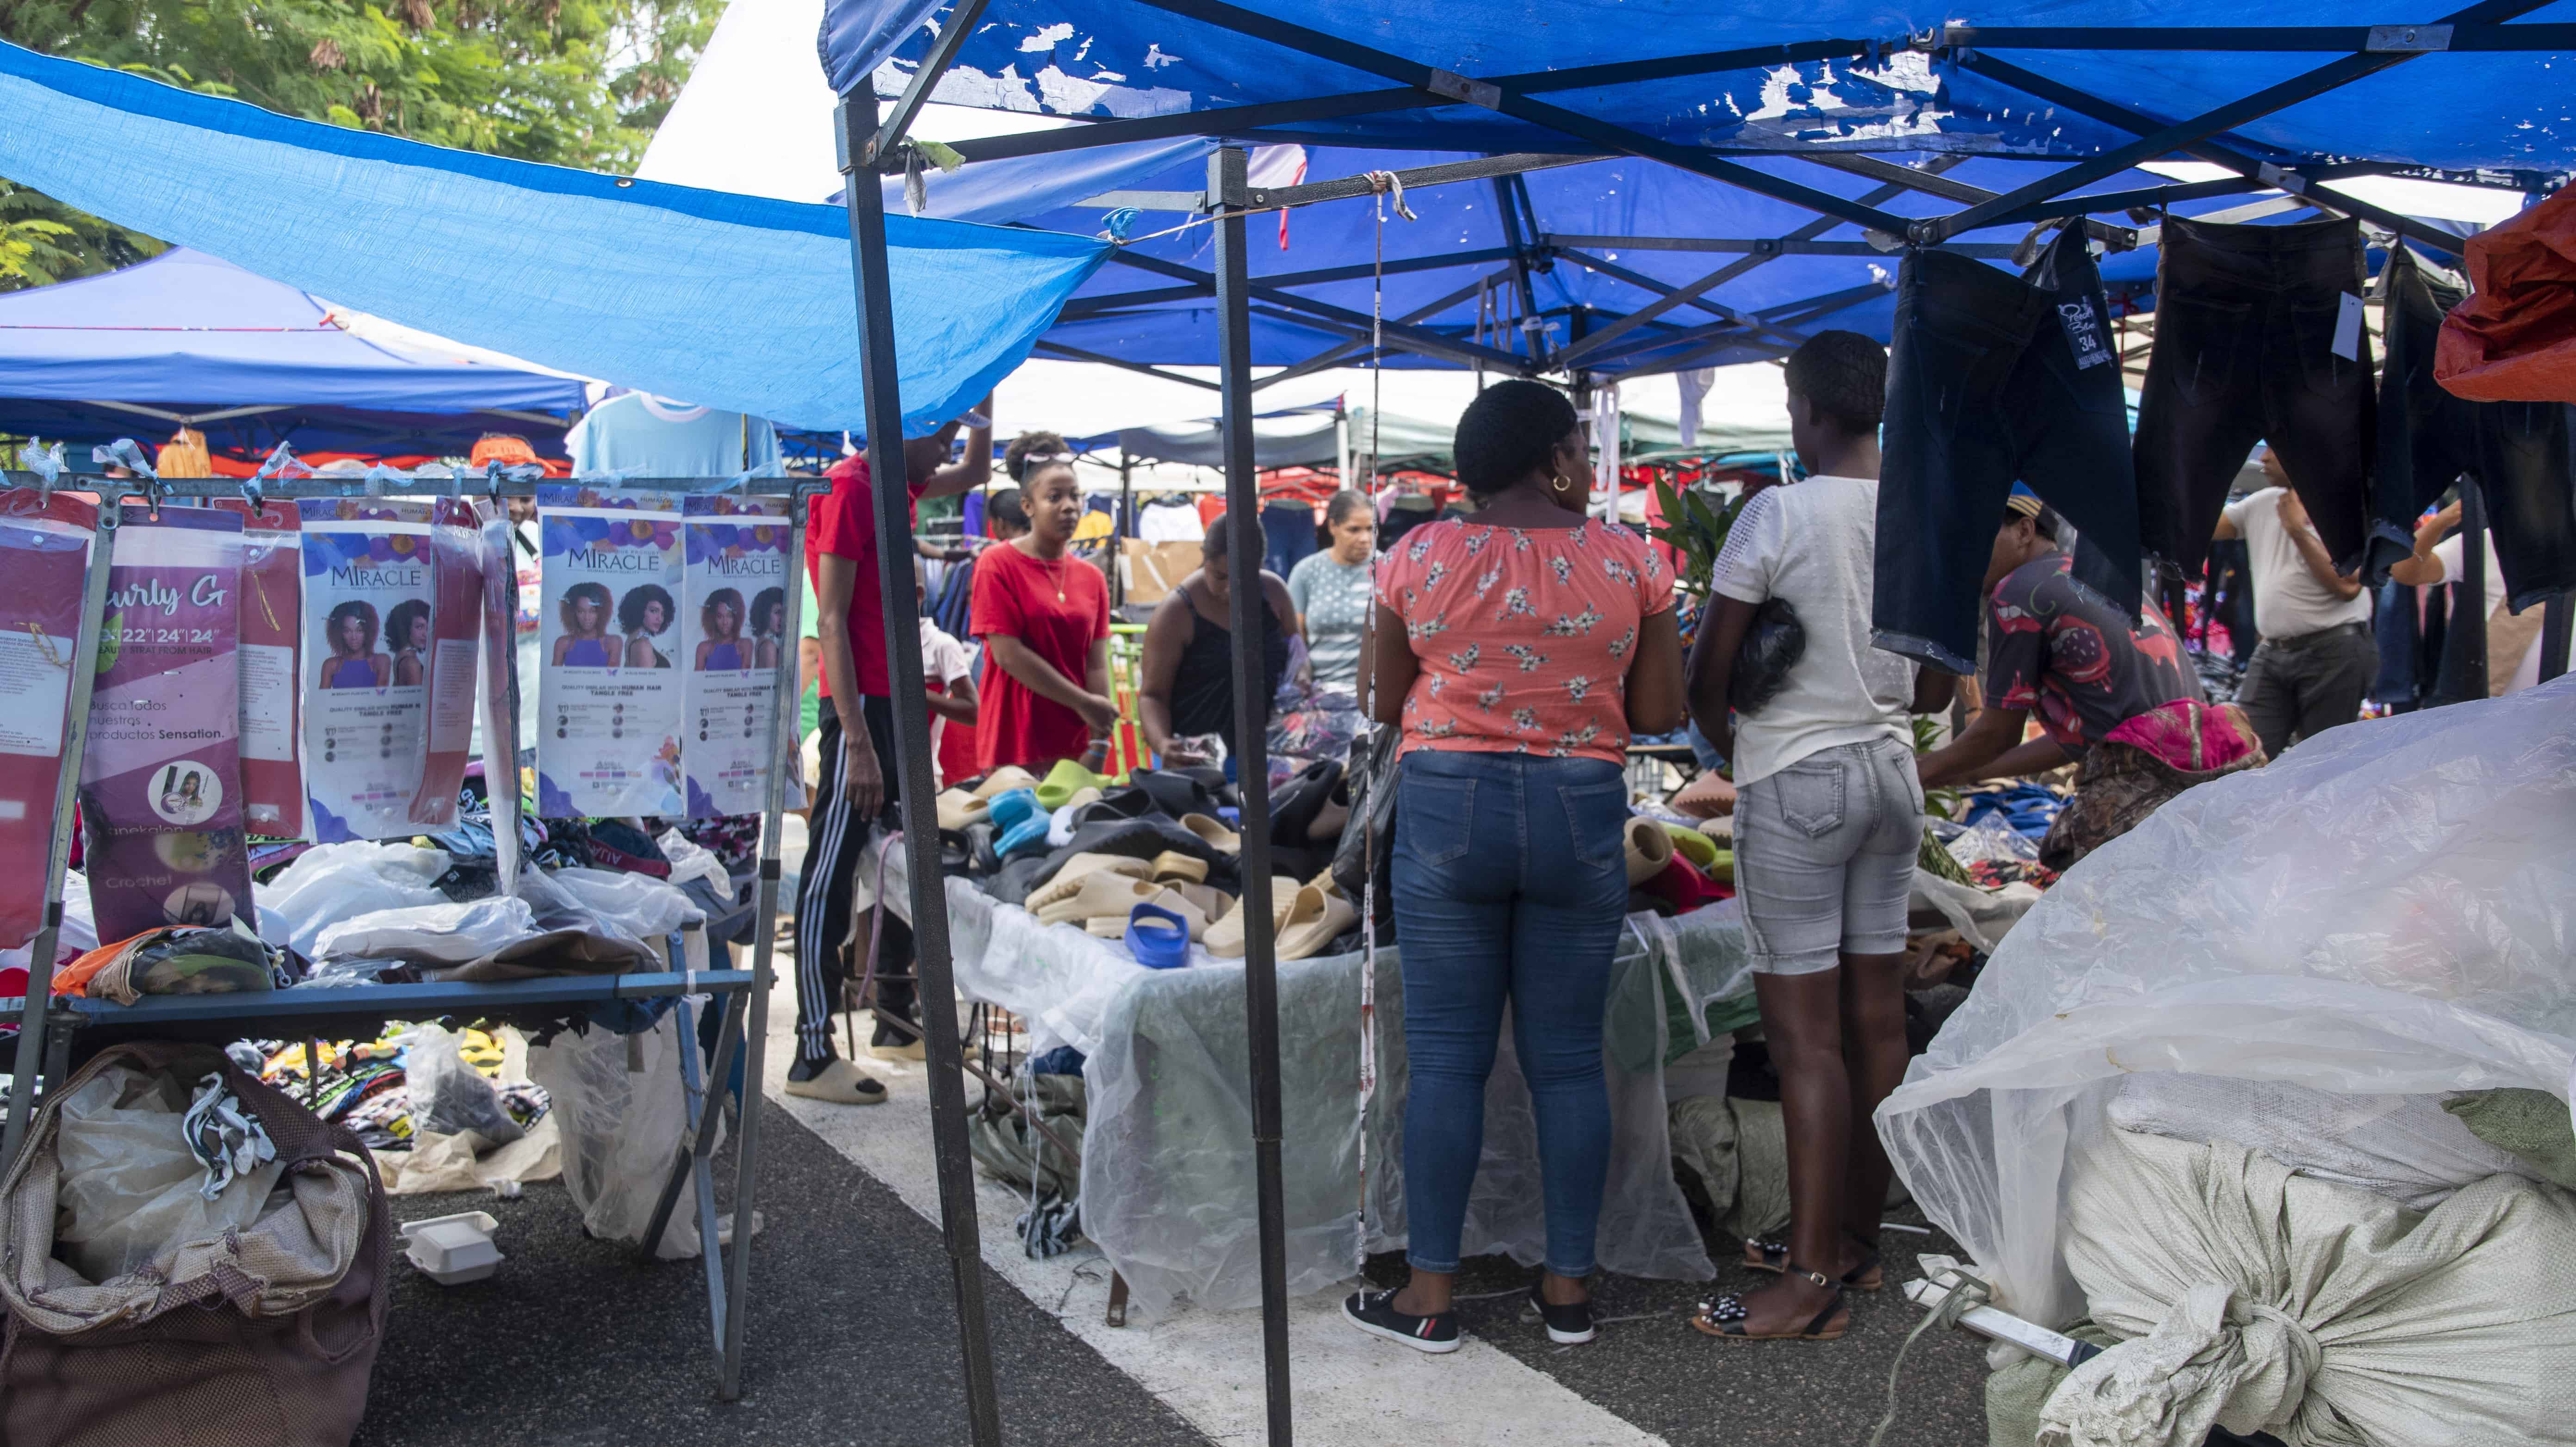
x: 856, y: 744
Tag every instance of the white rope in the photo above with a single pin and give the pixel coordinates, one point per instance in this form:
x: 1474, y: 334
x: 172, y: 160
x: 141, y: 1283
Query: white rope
x: 1369, y: 724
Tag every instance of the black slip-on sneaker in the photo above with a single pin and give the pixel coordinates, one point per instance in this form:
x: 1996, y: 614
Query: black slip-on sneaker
x: 1566, y: 1325
x: 1374, y: 1312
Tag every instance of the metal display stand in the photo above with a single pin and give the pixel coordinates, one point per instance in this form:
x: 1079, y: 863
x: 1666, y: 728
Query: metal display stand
x: 743, y: 1026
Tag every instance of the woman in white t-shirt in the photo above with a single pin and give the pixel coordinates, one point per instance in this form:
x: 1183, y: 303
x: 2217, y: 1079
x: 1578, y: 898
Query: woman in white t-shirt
x: 1828, y: 818
x: 2513, y: 639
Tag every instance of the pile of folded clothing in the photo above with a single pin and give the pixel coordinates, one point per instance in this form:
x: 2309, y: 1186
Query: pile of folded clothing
x: 1154, y: 861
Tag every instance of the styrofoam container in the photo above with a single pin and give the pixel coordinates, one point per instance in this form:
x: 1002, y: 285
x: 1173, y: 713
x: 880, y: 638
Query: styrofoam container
x: 453, y: 1250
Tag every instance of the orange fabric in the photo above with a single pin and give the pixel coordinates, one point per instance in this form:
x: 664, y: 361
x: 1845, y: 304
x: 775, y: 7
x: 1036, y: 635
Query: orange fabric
x: 184, y: 455
x: 503, y: 448
x: 74, y: 978
x: 2514, y: 339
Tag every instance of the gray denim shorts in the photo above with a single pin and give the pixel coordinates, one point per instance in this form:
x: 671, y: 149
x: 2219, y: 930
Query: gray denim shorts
x: 1824, y: 856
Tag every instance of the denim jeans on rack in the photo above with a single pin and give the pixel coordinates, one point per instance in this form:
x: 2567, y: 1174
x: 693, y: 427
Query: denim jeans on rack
x: 2244, y: 353
x: 1511, y: 885
x: 1995, y: 379
x: 2518, y: 451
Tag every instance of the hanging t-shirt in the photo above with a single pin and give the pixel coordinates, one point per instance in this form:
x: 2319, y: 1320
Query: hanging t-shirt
x: 1059, y: 608
x: 1172, y: 522
x: 645, y: 436
x: 2060, y: 648
x: 1334, y: 598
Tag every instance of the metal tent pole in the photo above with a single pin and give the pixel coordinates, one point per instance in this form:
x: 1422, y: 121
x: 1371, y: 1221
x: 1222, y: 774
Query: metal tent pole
x: 1126, y: 527
x: 40, y: 958
x: 919, y: 812
x: 1250, y: 615
x: 783, y: 703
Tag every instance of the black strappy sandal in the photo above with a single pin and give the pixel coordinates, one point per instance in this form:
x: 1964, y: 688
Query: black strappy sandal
x: 1725, y: 1316
x: 1765, y: 1254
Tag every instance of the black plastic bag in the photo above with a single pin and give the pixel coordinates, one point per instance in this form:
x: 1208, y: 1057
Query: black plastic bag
x: 1771, y: 647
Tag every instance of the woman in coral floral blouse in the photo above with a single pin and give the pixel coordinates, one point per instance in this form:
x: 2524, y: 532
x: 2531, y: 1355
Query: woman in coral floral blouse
x: 1517, y: 650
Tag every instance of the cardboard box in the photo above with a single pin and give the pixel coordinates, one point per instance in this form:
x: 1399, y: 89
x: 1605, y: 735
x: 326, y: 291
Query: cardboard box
x: 1150, y: 571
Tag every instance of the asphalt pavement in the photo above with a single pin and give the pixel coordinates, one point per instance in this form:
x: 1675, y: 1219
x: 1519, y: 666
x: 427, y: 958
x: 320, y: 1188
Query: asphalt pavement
x: 851, y: 1337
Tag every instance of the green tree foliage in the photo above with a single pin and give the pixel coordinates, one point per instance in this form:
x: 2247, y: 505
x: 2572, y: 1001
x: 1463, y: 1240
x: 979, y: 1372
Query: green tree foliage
x: 568, y: 82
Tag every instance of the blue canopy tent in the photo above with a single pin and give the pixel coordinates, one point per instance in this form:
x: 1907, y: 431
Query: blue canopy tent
x: 2053, y: 102
x: 733, y: 302
x: 185, y: 340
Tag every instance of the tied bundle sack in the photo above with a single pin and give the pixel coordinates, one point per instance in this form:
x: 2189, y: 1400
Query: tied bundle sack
x: 2256, y: 1298
x: 2381, y: 913
x: 254, y: 1321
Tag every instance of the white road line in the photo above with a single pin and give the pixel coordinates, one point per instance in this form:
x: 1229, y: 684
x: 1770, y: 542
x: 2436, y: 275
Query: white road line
x: 1349, y: 1389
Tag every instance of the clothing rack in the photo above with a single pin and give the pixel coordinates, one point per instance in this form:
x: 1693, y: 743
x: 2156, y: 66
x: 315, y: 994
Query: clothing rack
x: 45, y: 1032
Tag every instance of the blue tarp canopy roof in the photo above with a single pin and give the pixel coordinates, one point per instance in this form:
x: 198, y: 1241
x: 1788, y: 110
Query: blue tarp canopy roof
x: 2058, y: 78
x: 734, y: 302
x: 1595, y: 242
x: 185, y: 339
x: 1790, y: 167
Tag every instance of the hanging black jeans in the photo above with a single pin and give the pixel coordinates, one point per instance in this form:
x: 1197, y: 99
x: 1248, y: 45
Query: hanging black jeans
x: 2244, y: 353
x: 1995, y: 379
x: 2517, y: 451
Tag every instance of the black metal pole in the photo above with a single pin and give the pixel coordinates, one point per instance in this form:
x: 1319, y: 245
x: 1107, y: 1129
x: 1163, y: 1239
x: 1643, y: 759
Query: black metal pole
x: 918, y: 809
x: 1249, y: 616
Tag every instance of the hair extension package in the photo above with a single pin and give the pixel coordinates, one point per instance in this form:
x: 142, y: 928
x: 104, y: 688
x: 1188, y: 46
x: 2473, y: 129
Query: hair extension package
x: 44, y: 561
x: 610, y: 696
x: 272, y: 673
x: 161, y: 783
x: 370, y: 610
x: 455, y: 645
x: 732, y: 636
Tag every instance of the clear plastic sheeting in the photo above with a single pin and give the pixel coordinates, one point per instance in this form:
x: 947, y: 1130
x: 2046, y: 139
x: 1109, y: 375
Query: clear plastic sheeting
x: 1167, y: 1178
x: 2385, y: 910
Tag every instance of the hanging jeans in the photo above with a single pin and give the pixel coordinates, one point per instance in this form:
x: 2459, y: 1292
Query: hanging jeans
x: 1288, y: 535
x: 2402, y: 657
x: 1994, y: 379
x: 1511, y: 885
x: 2518, y: 451
x: 2244, y: 353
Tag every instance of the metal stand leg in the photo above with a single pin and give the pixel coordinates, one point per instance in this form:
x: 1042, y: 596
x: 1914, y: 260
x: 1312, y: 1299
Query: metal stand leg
x: 695, y: 1167
x: 39, y: 1047
x: 782, y: 698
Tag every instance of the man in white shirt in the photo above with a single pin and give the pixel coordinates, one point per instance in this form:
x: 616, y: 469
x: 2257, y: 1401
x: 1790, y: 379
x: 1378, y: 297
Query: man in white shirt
x: 2317, y: 656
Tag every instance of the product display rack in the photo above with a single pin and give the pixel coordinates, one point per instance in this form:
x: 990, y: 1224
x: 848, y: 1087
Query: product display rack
x: 44, y: 1042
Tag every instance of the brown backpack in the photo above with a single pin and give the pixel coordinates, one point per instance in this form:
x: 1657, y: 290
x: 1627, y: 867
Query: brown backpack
x: 259, y: 1336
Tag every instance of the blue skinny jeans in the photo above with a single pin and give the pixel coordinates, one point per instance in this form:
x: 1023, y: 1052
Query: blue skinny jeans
x: 1510, y: 885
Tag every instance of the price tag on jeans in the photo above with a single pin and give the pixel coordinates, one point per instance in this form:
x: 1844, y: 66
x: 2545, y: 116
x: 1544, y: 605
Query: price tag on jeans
x: 2347, y: 338
x: 2084, y: 332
